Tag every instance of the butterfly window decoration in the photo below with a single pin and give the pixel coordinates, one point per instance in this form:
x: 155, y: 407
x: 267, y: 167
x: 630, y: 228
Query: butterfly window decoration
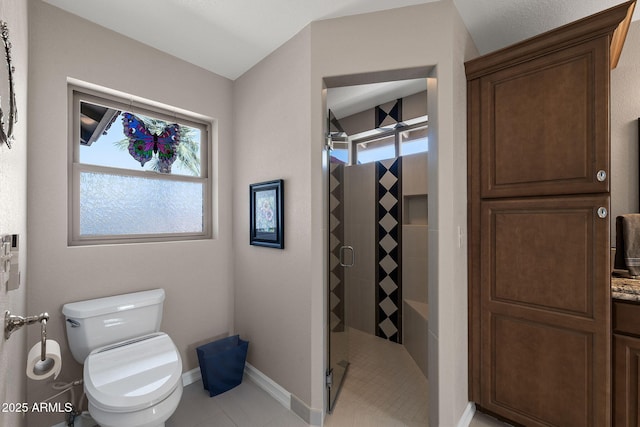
x: 144, y: 143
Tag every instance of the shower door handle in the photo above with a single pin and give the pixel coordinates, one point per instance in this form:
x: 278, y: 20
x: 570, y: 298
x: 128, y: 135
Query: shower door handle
x: 343, y: 249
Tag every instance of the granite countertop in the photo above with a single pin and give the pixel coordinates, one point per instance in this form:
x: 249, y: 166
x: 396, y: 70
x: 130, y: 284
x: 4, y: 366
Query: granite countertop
x: 625, y: 289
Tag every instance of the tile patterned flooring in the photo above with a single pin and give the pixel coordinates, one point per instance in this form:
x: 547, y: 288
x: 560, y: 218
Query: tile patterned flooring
x: 383, y: 388
x: 244, y: 406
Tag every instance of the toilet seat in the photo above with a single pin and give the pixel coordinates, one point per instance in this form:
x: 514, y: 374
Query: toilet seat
x: 134, y: 374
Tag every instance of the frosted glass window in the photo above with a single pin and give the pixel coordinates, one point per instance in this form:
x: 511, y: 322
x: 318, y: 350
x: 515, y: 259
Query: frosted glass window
x: 117, y: 205
x: 139, y: 173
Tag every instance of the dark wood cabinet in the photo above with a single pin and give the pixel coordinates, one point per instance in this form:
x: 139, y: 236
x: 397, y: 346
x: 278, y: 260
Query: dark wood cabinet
x: 544, y: 312
x: 626, y: 364
x: 547, y: 124
x: 538, y: 182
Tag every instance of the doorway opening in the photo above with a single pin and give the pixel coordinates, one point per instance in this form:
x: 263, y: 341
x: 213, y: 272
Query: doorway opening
x: 377, y: 158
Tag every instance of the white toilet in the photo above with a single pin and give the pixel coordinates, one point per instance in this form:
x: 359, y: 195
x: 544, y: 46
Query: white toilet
x: 132, y: 372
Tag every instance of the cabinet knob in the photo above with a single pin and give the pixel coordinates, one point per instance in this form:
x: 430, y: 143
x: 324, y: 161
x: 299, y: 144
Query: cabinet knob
x: 602, y: 212
x: 601, y: 175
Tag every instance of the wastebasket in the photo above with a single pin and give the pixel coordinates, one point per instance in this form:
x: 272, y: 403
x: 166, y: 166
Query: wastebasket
x: 222, y: 363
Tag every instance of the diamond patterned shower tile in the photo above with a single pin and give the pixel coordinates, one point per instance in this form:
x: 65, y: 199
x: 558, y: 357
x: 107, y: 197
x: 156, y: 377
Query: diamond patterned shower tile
x: 388, y: 201
x: 334, y: 321
x: 334, y: 242
x: 388, y: 180
x: 388, y: 285
x: 388, y: 264
x: 333, y: 222
x: 388, y: 222
x: 388, y: 243
x: 388, y: 327
x: 388, y: 306
x: 333, y: 261
x: 333, y: 202
x: 334, y: 300
x: 333, y: 183
x: 388, y: 275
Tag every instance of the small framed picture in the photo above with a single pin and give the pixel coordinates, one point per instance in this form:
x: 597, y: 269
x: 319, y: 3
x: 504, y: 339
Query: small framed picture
x: 266, y: 204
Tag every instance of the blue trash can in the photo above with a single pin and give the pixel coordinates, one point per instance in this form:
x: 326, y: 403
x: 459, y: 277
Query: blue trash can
x: 222, y: 363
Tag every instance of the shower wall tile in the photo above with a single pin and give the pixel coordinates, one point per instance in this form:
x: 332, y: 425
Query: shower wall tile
x: 415, y: 262
x: 359, y: 226
x: 361, y: 305
x: 389, y: 249
x: 416, y: 332
x: 336, y: 240
x: 414, y: 174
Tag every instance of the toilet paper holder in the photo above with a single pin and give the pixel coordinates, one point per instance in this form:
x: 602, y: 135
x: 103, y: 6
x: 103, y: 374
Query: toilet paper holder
x: 13, y: 323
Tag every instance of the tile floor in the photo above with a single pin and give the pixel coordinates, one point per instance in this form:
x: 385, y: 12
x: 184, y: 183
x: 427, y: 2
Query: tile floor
x: 244, y: 406
x: 383, y: 388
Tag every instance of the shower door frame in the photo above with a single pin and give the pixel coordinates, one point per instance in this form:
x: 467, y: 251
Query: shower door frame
x: 335, y: 258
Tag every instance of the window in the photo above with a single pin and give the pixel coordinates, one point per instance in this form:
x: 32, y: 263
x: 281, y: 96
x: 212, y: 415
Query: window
x: 139, y: 174
x: 413, y: 140
x: 378, y: 148
x: 380, y: 144
x: 340, y: 151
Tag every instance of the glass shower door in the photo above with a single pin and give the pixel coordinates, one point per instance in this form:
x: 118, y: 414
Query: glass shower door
x: 339, y: 257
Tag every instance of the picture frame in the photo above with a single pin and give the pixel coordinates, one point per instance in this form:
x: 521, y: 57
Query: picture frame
x: 266, y: 214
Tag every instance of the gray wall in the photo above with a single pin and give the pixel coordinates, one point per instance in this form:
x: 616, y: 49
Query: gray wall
x: 13, y: 209
x: 196, y: 275
x: 272, y: 287
x: 625, y: 111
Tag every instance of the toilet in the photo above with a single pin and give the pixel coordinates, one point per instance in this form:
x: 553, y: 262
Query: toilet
x: 132, y: 371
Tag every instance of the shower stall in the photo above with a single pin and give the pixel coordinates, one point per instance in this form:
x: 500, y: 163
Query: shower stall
x: 377, y: 236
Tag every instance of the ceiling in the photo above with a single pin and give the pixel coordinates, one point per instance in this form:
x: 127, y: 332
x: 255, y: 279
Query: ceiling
x: 228, y: 37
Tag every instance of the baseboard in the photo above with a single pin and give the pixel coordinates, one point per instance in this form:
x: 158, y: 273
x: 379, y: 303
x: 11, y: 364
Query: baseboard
x: 309, y: 415
x: 267, y: 384
x: 191, y: 377
x: 467, y: 415
x: 272, y: 388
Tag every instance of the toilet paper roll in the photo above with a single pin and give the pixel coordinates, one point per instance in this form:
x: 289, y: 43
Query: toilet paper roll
x: 52, y: 365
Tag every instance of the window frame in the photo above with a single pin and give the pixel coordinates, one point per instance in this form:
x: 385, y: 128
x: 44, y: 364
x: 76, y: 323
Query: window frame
x: 78, y: 94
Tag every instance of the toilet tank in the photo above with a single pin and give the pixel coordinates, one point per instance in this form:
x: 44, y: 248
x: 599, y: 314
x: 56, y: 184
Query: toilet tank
x: 98, y: 322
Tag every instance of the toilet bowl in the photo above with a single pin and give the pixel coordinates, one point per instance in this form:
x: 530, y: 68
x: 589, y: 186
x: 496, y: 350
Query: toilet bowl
x: 132, y: 372
x: 137, y: 383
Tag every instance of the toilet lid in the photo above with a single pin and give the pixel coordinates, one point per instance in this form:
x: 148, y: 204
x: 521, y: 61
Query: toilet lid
x: 134, y: 374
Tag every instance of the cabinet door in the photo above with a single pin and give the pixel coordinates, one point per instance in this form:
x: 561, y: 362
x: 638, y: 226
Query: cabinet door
x: 545, y: 311
x: 545, y: 124
x: 626, y: 381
